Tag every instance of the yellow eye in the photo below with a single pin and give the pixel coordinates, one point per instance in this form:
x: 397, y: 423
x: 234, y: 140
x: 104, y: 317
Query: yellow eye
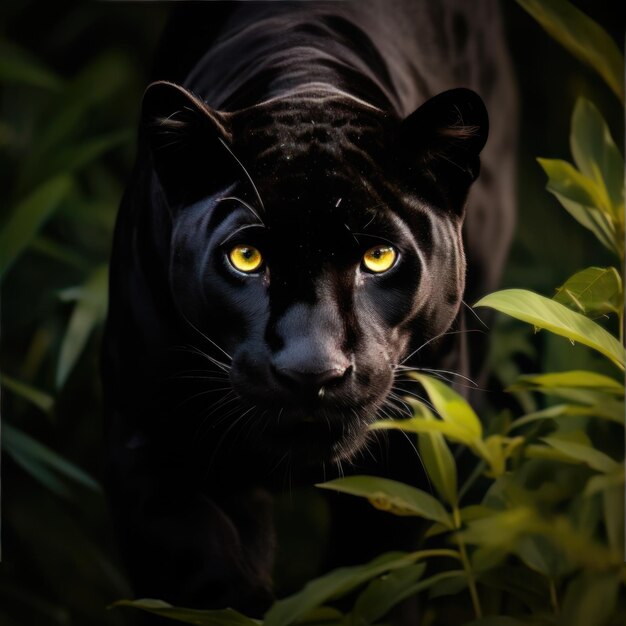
x: 379, y: 259
x: 245, y: 258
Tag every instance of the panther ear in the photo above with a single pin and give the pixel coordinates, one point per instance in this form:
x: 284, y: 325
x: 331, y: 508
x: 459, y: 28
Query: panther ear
x: 188, y: 141
x: 442, y: 139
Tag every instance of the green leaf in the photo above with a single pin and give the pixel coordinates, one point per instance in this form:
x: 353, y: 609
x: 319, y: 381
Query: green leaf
x: 40, y: 399
x: 19, y: 67
x: 565, y: 180
x: 574, y: 378
x: 601, y: 482
x: 39, y: 460
x: 583, y: 453
x: 545, y: 313
x: 223, y: 617
x: 503, y: 528
x: 69, y: 159
x: 438, y: 461
x: 585, y: 39
x: 28, y: 217
x: 384, y: 593
x: 541, y: 555
x: 334, y: 585
x: 594, y: 220
x: 596, y: 154
x: 452, y: 407
x: 496, y: 620
x: 392, y: 496
x: 593, y: 291
x: 89, y: 311
x: 570, y: 410
x: 421, y: 425
x: 322, y: 616
x: 590, y: 599
x: 613, y: 514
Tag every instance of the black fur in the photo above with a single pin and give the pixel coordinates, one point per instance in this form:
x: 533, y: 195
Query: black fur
x: 310, y: 131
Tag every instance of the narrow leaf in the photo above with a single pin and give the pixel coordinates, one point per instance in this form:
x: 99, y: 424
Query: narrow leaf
x: 583, y: 37
x: 564, y: 179
x: 420, y: 425
x: 384, y: 593
x: 89, y: 311
x: 438, y: 461
x: 584, y: 453
x: 223, y: 617
x: 334, y: 585
x: 590, y: 599
x: 596, y: 154
x: 452, y: 407
x: 40, y: 399
x: 574, y: 378
x: 28, y: 217
x: 19, y: 67
x: 392, y: 496
x: 41, y: 458
x: 545, y: 313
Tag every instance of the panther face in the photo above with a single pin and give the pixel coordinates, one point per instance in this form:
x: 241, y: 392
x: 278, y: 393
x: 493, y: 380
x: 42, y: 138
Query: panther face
x: 316, y: 243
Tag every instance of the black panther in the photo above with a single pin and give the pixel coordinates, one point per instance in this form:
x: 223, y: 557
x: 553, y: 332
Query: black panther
x: 297, y: 229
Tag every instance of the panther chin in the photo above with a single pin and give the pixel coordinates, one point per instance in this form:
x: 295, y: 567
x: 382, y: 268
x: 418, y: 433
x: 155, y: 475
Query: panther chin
x: 311, y: 435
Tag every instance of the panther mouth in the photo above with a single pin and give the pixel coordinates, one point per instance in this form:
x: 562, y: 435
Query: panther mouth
x: 310, y: 435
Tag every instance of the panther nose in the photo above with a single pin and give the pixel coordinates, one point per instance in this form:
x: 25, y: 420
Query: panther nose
x: 305, y: 380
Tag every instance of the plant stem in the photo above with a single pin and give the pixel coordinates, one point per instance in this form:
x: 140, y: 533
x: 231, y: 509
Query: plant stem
x: 471, y: 581
x: 554, y: 599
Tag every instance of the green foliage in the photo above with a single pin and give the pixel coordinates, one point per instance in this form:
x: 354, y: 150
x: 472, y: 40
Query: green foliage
x: 534, y: 535
x: 582, y: 37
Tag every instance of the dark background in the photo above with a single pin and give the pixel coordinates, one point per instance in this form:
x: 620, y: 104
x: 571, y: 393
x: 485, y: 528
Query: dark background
x: 59, y: 562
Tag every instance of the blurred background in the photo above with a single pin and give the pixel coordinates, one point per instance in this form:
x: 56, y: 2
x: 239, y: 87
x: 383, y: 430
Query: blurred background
x: 72, y: 75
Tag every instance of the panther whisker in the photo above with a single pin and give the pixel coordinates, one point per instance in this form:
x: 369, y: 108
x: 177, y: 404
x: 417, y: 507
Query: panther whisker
x: 473, y: 312
x: 230, y: 358
x: 247, y: 206
x: 256, y: 191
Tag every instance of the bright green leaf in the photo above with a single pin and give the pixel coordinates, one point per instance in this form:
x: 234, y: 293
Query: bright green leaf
x: 596, y: 154
x: 565, y: 180
x: 585, y: 39
x: 223, y: 617
x: 392, y: 496
x: 28, y: 217
x: 593, y: 291
x: 545, y: 313
x: 438, y: 461
x: 452, y: 407
x: 420, y: 425
x: 89, y: 311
